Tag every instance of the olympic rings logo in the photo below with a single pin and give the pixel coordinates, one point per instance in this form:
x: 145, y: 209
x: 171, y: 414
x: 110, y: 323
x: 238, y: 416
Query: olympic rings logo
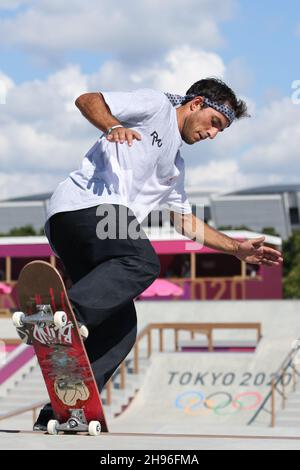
x: 194, y: 403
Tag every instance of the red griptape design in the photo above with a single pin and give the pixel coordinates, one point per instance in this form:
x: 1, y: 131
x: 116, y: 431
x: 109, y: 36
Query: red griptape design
x: 63, y: 301
x: 52, y: 297
x: 38, y: 299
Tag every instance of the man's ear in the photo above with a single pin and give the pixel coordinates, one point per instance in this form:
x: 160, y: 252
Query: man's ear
x: 197, y: 103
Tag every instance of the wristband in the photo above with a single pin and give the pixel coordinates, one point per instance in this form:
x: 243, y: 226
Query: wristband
x: 112, y: 128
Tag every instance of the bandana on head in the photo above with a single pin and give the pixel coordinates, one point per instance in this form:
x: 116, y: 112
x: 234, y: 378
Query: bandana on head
x: 177, y: 100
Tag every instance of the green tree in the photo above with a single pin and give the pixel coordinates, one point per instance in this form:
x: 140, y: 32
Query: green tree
x: 225, y: 228
x: 270, y: 231
x: 25, y: 231
x: 291, y: 269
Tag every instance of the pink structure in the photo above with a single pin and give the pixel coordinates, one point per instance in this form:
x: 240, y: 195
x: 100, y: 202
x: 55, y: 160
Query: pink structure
x: 162, y: 288
x: 198, y: 272
x: 15, y: 364
x: 5, y: 289
x: 227, y: 279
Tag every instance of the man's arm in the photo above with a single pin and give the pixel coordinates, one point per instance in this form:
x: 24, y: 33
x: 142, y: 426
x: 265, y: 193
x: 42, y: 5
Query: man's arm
x: 97, y: 112
x: 197, y: 230
x: 250, y: 251
x: 94, y: 109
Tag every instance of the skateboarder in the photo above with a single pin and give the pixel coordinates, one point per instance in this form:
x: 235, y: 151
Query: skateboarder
x: 133, y: 168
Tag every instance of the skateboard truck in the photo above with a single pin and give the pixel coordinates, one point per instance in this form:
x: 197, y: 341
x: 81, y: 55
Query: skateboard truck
x: 76, y: 423
x: 42, y: 318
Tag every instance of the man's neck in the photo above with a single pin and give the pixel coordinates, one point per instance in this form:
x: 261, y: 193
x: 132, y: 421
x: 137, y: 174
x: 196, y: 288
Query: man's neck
x: 180, y: 118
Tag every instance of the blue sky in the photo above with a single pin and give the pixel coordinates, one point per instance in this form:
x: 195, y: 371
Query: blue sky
x: 264, y: 34
x: 51, y: 51
x: 22, y: 66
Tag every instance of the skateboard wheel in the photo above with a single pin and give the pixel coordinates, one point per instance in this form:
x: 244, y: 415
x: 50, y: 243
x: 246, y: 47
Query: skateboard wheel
x: 52, y: 427
x: 60, y: 319
x: 18, y: 319
x: 94, y: 428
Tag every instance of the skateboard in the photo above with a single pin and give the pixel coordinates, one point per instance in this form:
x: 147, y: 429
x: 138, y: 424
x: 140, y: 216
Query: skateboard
x: 48, y: 316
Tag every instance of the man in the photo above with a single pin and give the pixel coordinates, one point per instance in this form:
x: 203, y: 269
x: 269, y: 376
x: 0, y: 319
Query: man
x: 133, y: 168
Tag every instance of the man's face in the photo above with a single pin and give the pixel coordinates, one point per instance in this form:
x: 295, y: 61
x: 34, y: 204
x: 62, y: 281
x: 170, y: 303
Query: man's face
x: 201, y: 123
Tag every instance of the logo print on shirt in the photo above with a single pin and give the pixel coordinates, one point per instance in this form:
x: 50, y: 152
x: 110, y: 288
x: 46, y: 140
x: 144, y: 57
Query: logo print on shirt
x: 156, y: 139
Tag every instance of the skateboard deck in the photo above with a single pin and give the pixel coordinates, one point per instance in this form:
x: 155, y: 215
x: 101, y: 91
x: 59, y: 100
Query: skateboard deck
x: 59, y: 348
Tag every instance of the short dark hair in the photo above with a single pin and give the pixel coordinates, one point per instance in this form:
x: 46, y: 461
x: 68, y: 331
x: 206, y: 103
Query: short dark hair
x: 216, y: 90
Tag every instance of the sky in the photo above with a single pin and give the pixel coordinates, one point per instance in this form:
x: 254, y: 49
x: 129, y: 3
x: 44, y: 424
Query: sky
x: 53, y: 51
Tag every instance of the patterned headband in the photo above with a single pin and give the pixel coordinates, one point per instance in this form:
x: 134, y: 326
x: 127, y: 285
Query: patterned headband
x: 222, y: 108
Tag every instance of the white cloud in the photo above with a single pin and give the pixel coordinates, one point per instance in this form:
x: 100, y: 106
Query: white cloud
x: 277, y: 135
x: 29, y: 150
x: 132, y: 30
x: 18, y: 184
x: 182, y: 67
x: 47, y: 105
x: 10, y: 4
x: 6, y: 84
x: 41, y: 129
x: 176, y: 72
x: 221, y: 176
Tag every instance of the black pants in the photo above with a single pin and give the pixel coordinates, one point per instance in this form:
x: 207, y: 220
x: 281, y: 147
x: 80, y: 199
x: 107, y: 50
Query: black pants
x: 106, y: 275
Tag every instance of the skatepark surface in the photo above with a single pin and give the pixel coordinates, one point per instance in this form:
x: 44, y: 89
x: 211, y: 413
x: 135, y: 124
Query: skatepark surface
x: 195, y: 401
x: 105, y: 442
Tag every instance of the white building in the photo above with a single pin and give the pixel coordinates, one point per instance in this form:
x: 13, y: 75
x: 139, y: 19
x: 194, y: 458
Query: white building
x: 257, y: 209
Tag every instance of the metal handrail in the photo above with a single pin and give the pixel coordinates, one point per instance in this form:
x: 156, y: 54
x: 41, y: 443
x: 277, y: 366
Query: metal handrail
x: 20, y: 411
x: 204, y: 328
x: 279, y: 377
x: 5, y: 313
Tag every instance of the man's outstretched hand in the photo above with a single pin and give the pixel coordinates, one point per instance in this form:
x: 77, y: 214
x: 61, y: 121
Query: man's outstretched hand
x: 254, y: 252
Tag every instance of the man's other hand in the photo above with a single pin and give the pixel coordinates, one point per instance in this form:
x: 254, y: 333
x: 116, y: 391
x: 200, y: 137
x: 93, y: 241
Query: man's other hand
x: 254, y: 252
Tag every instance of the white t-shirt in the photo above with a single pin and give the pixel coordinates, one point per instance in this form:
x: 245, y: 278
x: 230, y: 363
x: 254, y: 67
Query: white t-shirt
x: 147, y: 176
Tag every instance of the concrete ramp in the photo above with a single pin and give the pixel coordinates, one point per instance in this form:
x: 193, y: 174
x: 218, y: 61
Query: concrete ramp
x: 187, y: 392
